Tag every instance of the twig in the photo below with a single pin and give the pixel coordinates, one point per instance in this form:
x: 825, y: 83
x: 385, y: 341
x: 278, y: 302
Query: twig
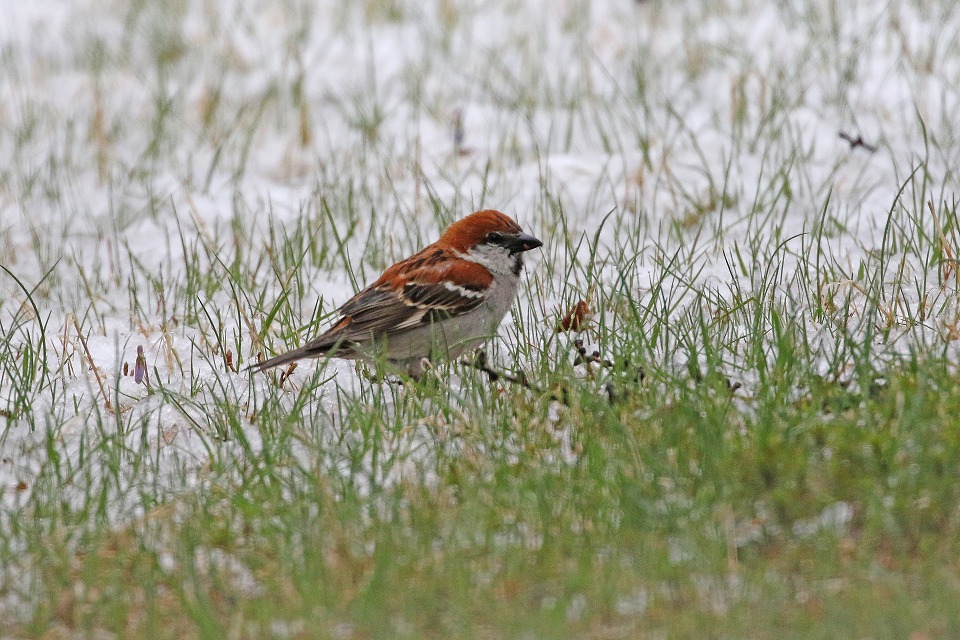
x: 286, y: 373
x: 560, y: 395
x: 481, y: 364
x: 589, y: 358
x: 857, y: 142
x: 96, y: 372
x: 732, y: 386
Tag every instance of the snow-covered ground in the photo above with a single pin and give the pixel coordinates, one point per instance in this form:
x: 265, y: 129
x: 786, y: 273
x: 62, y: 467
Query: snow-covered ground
x: 143, y: 144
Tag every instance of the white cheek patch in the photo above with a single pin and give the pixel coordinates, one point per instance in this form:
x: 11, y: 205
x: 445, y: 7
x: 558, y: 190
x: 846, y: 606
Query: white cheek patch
x: 494, y: 257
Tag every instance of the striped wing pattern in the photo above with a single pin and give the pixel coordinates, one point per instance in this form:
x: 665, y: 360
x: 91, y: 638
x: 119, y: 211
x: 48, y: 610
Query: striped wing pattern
x: 427, y: 288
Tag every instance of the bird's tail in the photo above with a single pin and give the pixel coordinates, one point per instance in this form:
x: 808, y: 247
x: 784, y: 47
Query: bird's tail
x: 306, y: 351
x: 331, y: 343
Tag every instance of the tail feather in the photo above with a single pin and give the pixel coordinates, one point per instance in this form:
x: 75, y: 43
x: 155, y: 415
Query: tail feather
x: 331, y: 343
x: 306, y: 351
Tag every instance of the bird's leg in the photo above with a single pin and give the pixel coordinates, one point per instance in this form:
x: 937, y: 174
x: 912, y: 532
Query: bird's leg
x: 378, y: 374
x: 418, y: 367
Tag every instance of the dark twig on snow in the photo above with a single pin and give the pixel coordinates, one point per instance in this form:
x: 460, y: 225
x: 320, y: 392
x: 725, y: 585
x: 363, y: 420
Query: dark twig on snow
x: 480, y: 363
x: 857, y: 142
x: 732, y: 386
x: 560, y: 394
x: 590, y: 358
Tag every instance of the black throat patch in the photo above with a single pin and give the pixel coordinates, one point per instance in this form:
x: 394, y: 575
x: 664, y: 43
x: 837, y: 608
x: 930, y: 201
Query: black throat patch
x: 517, y: 263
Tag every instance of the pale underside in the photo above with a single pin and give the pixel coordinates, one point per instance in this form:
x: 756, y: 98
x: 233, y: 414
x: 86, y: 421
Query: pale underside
x: 440, y: 338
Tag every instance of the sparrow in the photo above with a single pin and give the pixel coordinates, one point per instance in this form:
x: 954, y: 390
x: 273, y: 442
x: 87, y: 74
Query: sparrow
x: 438, y: 303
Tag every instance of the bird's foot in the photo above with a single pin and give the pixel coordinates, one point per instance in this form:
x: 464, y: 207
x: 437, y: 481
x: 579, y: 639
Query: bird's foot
x: 418, y: 368
x: 377, y: 374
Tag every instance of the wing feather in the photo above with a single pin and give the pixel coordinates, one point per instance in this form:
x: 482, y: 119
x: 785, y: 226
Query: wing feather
x: 428, y: 287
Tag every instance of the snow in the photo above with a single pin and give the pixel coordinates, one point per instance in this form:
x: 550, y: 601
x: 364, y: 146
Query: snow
x: 618, y: 106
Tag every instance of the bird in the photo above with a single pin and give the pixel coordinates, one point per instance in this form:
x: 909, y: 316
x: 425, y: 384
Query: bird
x: 440, y: 302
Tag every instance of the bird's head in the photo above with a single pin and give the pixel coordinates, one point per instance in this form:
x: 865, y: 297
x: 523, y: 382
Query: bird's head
x: 491, y: 239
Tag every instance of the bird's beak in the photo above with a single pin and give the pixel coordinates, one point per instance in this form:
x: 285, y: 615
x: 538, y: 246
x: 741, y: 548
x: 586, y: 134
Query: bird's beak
x: 522, y: 242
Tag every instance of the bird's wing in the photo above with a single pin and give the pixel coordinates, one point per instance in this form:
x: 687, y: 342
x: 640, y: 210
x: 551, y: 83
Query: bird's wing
x: 425, y: 288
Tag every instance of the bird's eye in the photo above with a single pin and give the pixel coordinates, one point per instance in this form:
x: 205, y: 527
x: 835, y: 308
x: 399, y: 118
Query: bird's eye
x: 494, y: 237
